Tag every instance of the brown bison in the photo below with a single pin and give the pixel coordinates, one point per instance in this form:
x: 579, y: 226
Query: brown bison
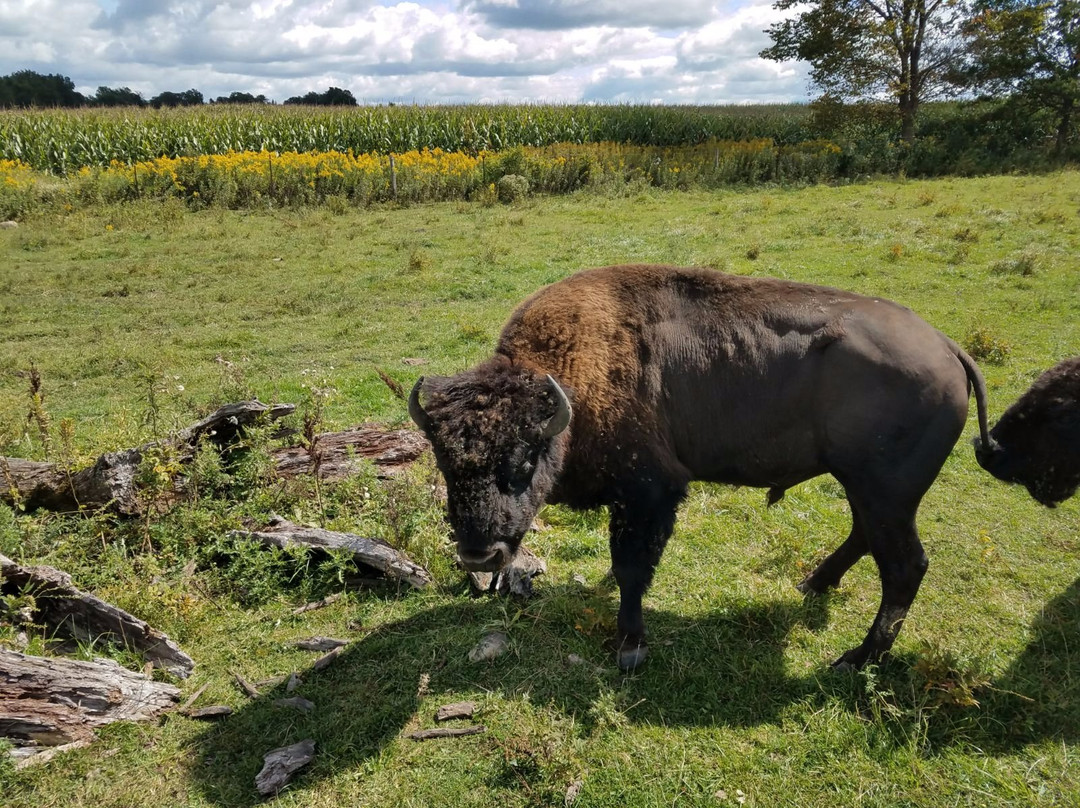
x: 620, y: 385
x: 1037, y: 441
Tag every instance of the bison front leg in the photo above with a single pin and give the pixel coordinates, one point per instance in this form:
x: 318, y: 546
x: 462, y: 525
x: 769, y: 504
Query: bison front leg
x: 640, y: 528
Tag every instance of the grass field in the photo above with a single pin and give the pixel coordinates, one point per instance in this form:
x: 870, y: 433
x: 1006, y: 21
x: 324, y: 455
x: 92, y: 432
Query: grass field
x: 140, y: 317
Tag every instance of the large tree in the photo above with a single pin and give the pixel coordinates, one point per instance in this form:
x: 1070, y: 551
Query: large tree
x: 904, y: 50
x: 1030, y: 50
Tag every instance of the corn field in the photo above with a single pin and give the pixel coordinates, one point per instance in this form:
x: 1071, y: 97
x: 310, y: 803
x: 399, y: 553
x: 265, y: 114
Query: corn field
x: 63, y: 141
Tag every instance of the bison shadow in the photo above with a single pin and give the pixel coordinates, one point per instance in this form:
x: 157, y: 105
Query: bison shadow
x: 697, y: 675
x: 369, y: 696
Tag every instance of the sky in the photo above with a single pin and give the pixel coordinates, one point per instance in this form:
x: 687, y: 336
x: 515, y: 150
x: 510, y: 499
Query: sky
x: 424, y: 52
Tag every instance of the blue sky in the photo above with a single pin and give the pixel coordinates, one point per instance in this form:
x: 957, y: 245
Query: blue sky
x: 431, y: 51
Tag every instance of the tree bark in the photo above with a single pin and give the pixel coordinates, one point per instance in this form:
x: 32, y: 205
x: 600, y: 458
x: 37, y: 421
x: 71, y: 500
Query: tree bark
x: 53, y: 701
x: 111, y: 482
x: 71, y: 613
x: 373, y: 553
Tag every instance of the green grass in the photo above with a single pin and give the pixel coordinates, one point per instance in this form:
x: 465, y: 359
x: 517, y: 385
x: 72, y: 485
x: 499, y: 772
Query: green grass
x: 119, y: 307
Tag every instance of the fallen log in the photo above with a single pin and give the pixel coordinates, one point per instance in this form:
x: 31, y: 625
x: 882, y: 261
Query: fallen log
x: 339, y: 454
x: 70, y: 613
x: 54, y: 701
x: 373, y: 553
x: 110, y: 483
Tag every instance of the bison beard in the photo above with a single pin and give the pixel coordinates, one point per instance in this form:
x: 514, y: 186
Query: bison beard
x: 1037, y: 441
x: 620, y: 385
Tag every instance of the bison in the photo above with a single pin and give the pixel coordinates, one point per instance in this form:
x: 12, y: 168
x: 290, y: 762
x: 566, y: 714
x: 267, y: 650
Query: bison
x: 1037, y: 441
x: 618, y: 386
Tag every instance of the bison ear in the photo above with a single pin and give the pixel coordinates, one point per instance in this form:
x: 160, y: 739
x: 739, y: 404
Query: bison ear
x: 561, y: 419
x: 416, y: 409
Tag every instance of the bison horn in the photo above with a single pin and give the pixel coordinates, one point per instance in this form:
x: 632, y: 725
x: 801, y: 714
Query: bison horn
x: 416, y: 409
x: 561, y: 419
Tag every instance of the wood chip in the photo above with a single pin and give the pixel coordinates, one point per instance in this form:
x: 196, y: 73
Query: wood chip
x: 297, y: 703
x: 247, y: 686
x: 326, y: 659
x: 320, y: 644
x: 272, y: 681
x: 194, y: 697
x: 207, y: 713
x: 279, y: 765
x: 317, y: 604
x: 294, y: 682
x: 460, y: 709
x: 446, y: 732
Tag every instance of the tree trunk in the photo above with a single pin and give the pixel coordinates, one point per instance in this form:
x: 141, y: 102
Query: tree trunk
x: 71, y: 613
x: 52, y: 701
x: 111, y: 482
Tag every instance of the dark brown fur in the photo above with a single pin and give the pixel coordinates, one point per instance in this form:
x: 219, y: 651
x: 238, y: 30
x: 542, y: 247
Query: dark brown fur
x: 1037, y: 441
x: 680, y: 374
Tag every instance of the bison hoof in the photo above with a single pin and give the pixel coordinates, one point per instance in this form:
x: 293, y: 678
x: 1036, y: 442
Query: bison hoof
x: 852, y: 660
x: 812, y: 586
x: 631, y: 655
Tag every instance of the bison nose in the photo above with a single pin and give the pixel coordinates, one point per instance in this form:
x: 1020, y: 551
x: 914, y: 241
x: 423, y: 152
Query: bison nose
x: 486, y: 559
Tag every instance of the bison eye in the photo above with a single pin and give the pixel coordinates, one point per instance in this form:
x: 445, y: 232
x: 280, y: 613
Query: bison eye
x: 519, y: 470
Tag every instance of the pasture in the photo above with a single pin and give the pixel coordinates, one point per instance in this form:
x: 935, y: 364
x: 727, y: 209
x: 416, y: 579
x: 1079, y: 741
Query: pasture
x: 139, y: 317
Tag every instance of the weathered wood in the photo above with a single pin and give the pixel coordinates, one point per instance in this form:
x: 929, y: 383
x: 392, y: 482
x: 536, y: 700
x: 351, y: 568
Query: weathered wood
x: 459, y: 709
x: 317, y: 604
x: 340, y: 453
x: 513, y: 579
x: 297, y: 703
x: 279, y: 765
x: 373, y: 553
x: 35, y: 755
x: 248, y: 688
x: 445, y: 732
x: 327, y: 658
x: 194, y: 697
x: 320, y: 644
x: 69, y: 612
x: 53, y: 701
x: 210, y: 713
x: 110, y: 482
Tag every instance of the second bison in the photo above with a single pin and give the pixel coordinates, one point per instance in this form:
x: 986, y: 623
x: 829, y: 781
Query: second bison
x: 620, y: 385
x: 1037, y: 441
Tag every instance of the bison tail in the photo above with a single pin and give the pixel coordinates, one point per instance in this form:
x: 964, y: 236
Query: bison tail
x: 978, y: 386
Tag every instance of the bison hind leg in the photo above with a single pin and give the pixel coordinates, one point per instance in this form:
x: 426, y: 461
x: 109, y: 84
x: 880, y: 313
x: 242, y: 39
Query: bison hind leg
x: 828, y: 573
x: 776, y: 493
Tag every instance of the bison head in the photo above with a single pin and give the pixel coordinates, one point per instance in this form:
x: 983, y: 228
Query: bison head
x: 498, y: 436
x: 1037, y: 441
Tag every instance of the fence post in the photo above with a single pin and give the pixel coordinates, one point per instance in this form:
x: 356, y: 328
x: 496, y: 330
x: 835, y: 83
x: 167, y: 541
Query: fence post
x: 393, y: 178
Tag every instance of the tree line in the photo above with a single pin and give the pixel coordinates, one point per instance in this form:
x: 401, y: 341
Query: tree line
x: 911, y: 51
x: 27, y: 88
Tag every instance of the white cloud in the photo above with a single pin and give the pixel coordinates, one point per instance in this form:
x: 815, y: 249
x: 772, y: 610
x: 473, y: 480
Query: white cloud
x: 443, y: 51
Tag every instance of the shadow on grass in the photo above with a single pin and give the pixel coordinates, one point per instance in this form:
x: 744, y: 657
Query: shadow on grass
x: 1038, y: 696
x: 723, y: 668
x: 369, y: 695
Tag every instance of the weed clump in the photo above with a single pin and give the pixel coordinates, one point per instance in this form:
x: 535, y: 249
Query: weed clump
x: 981, y: 343
x: 512, y: 188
